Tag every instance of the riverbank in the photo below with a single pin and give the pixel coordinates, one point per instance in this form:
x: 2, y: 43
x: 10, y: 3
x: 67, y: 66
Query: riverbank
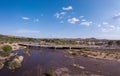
x: 98, y: 54
x: 15, y: 46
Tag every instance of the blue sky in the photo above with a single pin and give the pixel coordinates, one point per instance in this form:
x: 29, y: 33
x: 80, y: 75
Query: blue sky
x: 61, y: 18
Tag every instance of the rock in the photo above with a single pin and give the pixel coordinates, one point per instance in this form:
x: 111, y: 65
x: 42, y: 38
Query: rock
x: 27, y: 52
x: 20, y: 58
x: 61, y: 72
x: 11, y: 54
x: 16, y: 53
x: 118, y: 60
x: 78, y: 66
x: 70, y: 52
x: 1, y: 65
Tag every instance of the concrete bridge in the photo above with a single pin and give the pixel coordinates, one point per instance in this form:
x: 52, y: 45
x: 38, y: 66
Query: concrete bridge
x: 53, y: 46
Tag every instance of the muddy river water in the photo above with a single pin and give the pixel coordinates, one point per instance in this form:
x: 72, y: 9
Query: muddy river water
x: 60, y: 63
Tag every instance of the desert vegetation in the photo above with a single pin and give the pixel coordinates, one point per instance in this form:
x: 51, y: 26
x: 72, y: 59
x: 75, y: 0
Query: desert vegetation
x: 6, y: 50
x: 109, y: 55
x: 14, y: 61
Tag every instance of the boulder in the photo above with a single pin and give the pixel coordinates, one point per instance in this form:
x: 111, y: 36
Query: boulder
x: 1, y: 65
x: 19, y: 59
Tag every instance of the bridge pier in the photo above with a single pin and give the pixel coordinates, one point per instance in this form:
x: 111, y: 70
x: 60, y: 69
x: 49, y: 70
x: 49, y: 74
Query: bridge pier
x: 55, y: 47
x: 70, y: 47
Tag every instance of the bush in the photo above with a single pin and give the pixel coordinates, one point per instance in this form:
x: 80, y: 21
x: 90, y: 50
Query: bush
x: 14, y: 65
x: 110, y: 43
x: 118, y: 43
x: 6, y: 50
x: 48, y: 74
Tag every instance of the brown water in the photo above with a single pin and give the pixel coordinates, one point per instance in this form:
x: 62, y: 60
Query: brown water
x: 48, y: 60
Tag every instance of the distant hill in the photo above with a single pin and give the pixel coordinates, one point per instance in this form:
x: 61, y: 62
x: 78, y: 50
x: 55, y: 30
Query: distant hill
x: 9, y: 38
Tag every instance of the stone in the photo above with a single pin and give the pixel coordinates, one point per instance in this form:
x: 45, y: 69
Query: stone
x: 1, y: 65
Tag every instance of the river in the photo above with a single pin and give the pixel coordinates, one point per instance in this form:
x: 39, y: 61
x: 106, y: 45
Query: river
x: 46, y: 60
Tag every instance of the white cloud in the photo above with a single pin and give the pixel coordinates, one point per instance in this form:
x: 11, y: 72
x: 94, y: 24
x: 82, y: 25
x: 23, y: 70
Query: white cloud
x: 63, y: 13
x: 67, y: 8
x: 116, y: 16
x: 25, y: 18
x: 61, y: 21
x: 83, y: 20
x: 37, y: 20
x: 107, y: 27
x: 24, y: 31
x: 81, y: 16
x: 57, y: 15
x: 112, y: 26
x: 86, y: 23
x: 104, y: 30
x: 99, y: 25
x: 73, y: 20
x: 60, y: 15
x: 105, y: 23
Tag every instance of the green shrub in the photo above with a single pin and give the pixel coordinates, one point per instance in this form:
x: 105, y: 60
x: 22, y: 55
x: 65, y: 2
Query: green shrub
x: 14, y: 65
x: 118, y: 43
x: 6, y: 50
x: 48, y: 74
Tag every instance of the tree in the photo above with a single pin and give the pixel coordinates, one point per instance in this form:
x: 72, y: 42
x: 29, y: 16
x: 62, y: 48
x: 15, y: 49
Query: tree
x: 6, y: 50
x: 118, y: 43
x: 110, y: 43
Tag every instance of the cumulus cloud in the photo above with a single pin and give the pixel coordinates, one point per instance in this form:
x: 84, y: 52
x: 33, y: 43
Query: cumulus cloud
x: 73, y: 20
x: 67, y: 8
x: 24, y: 31
x: 86, y: 23
x: 107, y: 27
x: 116, y: 16
x: 25, y: 18
x: 57, y: 15
x: 60, y: 15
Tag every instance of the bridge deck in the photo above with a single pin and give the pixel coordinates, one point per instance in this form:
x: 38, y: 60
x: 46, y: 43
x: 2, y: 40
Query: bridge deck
x: 61, y: 46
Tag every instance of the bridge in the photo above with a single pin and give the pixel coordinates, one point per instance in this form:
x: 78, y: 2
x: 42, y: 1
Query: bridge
x: 53, y: 46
